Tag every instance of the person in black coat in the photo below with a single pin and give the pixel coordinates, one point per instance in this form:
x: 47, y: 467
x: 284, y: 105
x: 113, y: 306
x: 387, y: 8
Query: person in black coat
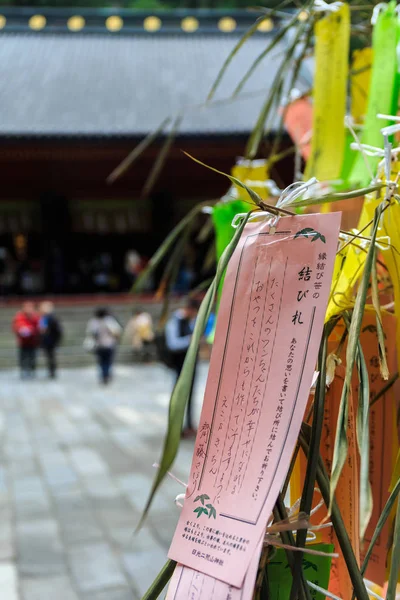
x: 50, y: 335
x: 178, y: 334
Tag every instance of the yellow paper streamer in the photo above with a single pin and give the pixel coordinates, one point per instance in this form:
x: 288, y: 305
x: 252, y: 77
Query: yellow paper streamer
x: 332, y: 35
x: 350, y: 272
x: 254, y: 174
x: 341, y: 297
x: 361, y: 68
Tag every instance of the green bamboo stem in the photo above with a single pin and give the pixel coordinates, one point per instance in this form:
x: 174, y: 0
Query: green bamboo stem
x: 312, y: 462
x: 360, y: 590
x: 160, y: 581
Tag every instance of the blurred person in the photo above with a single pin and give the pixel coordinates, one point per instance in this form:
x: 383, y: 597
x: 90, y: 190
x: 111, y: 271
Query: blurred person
x: 184, y: 280
x: 104, y: 331
x: 26, y: 328
x: 133, y: 265
x: 178, y: 334
x: 102, y: 271
x: 50, y: 335
x: 140, y: 332
x: 7, y: 272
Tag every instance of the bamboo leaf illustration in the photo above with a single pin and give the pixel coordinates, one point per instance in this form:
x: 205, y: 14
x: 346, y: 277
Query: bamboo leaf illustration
x: 202, y: 498
x: 305, y: 232
x: 309, y: 232
x: 200, y: 510
x: 319, y: 236
x: 308, y: 565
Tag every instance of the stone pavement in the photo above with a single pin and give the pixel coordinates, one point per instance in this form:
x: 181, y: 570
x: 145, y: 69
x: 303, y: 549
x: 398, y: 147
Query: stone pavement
x: 75, y: 471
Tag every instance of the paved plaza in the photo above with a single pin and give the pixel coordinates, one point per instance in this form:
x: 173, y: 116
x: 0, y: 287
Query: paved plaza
x: 76, y: 469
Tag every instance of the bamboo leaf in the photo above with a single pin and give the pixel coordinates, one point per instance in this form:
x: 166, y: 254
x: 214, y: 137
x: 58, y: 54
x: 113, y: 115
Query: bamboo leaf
x: 166, y: 246
x: 137, y: 152
x: 276, y: 88
x: 200, y: 288
x: 253, y: 195
x: 161, y: 158
x: 170, y: 275
x: 312, y: 462
x: 366, y: 500
x: 181, y: 390
x: 280, y: 35
x: 273, y: 156
x: 258, y: 131
x: 331, y: 325
x: 160, y: 581
x: 173, y: 264
x: 210, y: 258
x: 395, y: 562
x: 396, y: 472
x: 280, y: 514
x: 383, y: 390
x: 205, y: 232
x: 381, y: 522
x: 247, y: 35
x: 337, y: 521
x: 379, y: 325
x: 338, y: 196
x: 341, y: 446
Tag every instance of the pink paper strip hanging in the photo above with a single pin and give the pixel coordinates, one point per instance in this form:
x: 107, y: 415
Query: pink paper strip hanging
x: 267, y: 338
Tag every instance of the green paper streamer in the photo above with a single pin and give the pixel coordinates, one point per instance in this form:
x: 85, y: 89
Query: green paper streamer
x: 222, y: 215
x: 349, y: 159
x: 315, y: 568
x: 383, y: 91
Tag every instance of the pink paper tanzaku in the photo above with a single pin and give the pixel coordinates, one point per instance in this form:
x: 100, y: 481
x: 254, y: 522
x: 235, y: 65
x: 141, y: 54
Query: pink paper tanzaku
x: 188, y: 583
x: 268, y: 332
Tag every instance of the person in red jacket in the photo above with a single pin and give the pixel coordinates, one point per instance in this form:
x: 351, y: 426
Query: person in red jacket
x: 26, y: 328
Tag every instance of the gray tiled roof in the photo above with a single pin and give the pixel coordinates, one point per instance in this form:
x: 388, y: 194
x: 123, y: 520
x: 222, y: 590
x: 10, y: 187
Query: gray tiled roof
x: 100, y: 85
